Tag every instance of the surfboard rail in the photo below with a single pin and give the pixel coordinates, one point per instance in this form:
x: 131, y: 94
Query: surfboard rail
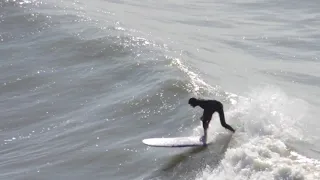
x: 174, y: 141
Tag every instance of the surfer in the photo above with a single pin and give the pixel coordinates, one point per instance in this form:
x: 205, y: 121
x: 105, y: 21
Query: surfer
x: 209, y: 107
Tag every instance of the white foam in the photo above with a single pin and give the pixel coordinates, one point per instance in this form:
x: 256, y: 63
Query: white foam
x: 196, y: 82
x: 263, y: 158
x: 269, y: 111
x: 264, y: 122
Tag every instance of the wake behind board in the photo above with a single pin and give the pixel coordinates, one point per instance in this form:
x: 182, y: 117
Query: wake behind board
x: 174, y: 142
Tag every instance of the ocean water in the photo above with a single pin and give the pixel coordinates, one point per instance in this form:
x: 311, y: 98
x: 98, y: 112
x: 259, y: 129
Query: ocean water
x: 83, y: 82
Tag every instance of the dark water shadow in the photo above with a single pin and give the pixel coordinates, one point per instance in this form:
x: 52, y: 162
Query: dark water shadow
x: 187, y: 164
x: 176, y: 159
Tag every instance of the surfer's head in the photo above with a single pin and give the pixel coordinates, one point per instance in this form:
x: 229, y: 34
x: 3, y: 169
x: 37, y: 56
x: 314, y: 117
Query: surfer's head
x: 193, y: 102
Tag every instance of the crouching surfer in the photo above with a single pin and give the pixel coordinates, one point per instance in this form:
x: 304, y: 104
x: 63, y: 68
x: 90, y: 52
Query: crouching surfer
x: 209, y: 107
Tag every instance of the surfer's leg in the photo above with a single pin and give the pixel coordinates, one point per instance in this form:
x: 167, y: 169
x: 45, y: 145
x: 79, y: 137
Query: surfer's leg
x: 205, y: 128
x: 205, y: 125
x: 206, y: 118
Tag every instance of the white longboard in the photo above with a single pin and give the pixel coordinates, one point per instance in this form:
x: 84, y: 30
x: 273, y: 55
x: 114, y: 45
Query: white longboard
x: 174, y: 142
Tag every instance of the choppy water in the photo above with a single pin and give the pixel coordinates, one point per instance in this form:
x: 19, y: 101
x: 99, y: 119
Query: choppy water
x: 83, y: 82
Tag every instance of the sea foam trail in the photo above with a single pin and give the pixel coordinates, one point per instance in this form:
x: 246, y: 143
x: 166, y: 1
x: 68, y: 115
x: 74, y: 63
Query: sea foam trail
x: 263, y: 158
x: 265, y: 121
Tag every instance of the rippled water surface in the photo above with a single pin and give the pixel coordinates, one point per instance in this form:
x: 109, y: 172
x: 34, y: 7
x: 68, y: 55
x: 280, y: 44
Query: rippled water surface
x: 83, y: 82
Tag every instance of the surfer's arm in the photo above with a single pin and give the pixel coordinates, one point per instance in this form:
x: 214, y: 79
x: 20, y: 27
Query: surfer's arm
x: 223, y: 121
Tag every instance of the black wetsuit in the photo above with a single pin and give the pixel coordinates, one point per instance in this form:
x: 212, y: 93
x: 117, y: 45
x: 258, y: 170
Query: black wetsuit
x: 209, y: 107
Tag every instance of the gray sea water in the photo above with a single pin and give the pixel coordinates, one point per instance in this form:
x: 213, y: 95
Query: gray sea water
x: 83, y: 82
